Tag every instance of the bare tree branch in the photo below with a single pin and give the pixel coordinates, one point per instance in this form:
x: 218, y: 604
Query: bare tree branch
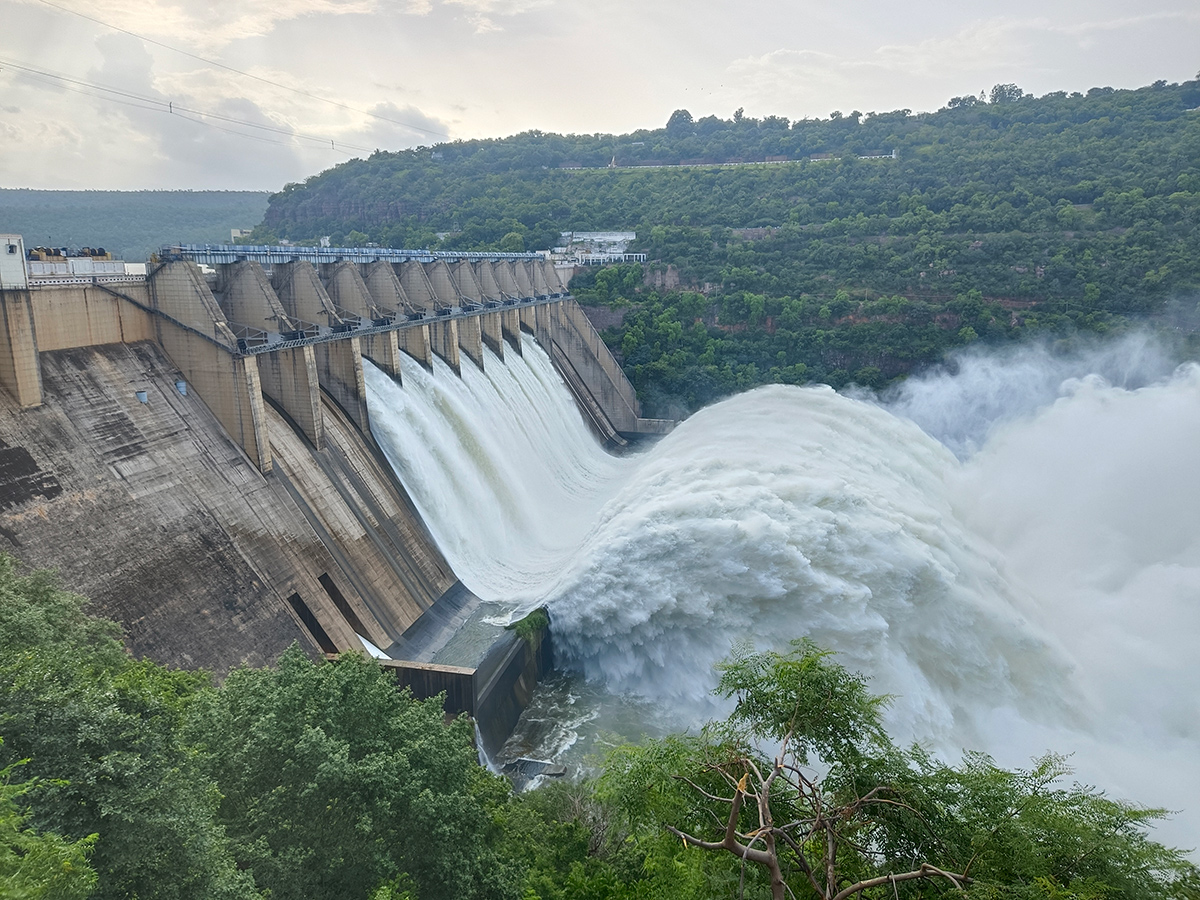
x: 925, y: 871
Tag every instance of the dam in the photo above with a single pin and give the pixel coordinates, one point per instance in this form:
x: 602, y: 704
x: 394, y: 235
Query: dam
x: 192, y: 449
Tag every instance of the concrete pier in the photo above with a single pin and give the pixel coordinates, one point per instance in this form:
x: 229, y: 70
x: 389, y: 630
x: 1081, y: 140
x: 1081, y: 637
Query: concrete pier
x: 339, y: 363
x: 470, y: 339
x: 348, y: 291
x: 389, y: 296
x: 510, y: 327
x: 443, y: 339
x: 288, y: 377
x: 19, y: 371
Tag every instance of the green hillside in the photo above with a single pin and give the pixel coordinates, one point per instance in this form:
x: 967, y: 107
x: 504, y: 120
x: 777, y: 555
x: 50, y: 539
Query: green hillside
x: 131, y: 224
x: 995, y: 219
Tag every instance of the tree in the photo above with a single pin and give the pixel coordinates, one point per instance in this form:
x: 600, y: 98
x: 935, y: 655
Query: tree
x: 802, y: 782
x: 36, y: 865
x: 335, y: 784
x: 513, y: 242
x: 680, y: 124
x: 102, y: 736
x: 1006, y: 93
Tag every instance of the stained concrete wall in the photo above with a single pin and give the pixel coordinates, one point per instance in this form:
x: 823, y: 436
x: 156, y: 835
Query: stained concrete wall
x: 245, y: 296
x: 302, y: 294
x: 591, y: 371
x: 85, y: 315
x: 289, y: 378
x: 19, y: 372
x: 152, y: 511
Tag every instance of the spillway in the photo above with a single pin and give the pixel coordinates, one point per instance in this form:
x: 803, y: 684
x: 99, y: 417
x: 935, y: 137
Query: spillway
x: 1036, y: 591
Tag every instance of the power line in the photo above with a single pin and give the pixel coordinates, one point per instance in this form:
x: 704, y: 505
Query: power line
x: 170, y: 107
x: 219, y: 65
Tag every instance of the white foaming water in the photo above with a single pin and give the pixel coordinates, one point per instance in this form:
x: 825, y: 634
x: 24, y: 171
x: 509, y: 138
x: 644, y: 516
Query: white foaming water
x: 503, y: 470
x: 1043, y: 594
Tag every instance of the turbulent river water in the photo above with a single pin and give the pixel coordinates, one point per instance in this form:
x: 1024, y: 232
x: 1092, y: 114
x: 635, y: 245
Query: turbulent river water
x: 1012, y: 549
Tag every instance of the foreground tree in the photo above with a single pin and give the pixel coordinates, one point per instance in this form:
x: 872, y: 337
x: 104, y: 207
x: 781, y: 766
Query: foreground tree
x: 335, y: 784
x: 34, y: 866
x: 802, y: 783
x: 101, y: 734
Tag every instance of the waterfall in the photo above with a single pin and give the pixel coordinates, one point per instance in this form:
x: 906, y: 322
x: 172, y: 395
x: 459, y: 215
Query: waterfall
x: 1041, y: 592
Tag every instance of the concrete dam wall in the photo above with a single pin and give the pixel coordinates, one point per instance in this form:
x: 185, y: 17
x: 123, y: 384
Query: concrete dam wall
x: 194, y: 453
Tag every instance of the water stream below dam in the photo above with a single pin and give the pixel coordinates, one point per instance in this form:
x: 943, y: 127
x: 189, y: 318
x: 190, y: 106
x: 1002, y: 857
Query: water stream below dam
x: 1011, y: 549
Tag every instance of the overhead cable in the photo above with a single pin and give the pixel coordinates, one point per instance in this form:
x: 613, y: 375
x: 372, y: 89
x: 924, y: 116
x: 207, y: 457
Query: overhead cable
x: 155, y: 104
x: 220, y: 65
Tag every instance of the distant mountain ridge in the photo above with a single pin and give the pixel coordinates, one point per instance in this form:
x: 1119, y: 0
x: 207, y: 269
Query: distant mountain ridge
x: 130, y: 224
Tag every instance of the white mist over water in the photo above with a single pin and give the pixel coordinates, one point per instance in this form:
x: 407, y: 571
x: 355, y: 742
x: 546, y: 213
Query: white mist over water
x: 1043, y: 593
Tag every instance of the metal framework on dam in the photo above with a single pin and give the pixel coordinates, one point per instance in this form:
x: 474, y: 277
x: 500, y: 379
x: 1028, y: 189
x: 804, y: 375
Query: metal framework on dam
x: 192, y: 449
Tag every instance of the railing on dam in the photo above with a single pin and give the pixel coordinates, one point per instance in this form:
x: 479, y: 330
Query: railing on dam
x: 252, y: 341
x: 269, y: 254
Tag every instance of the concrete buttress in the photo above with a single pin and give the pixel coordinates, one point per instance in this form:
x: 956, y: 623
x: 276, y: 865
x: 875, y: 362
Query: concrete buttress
x: 339, y: 363
x: 537, y: 277
x: 491, y: 328
x: 412, y: 278
x: 288, y: 377
x: 389, y: 295
x: 485, y: 277
x: 521, y: 276
x: 347, y: 289
x: 506, y: 279
x: 196, y: 337
x: 20, y: 373
x: 442, y: 282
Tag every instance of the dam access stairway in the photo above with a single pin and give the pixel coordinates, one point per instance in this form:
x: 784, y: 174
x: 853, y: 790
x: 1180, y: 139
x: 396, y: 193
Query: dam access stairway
x: 192, y: 450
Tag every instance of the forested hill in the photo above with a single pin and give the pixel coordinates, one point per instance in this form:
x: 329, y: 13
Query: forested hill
x: 988, y: 164
x: 996, y: 218
x: 132, y: 224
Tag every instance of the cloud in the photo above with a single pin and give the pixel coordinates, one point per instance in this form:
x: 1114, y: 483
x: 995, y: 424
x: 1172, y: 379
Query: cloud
x: 210, y: 26
x: 463, y: 67
x: 397, y: 127
x: 1037, y: 52
x: 482, y: 13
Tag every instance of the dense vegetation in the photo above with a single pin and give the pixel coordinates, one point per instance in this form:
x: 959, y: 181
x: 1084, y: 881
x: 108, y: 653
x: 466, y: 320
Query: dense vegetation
x: 998, y: 217
x: 130, y: 224
x: 120, y: 778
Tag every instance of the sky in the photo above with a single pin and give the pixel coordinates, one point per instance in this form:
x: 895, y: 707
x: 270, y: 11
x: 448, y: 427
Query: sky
x: 254, y: 94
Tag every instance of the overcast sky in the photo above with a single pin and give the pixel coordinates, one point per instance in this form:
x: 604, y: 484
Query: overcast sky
x: 433, y: 70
